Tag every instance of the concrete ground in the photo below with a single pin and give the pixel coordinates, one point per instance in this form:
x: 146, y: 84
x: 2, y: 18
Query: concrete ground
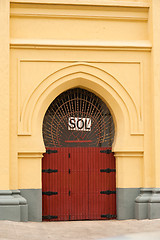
x: 80, y: 230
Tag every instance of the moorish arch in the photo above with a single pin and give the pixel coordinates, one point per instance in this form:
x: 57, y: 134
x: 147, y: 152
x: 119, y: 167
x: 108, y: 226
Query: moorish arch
x: 96, y: 80
x: 78, y: 168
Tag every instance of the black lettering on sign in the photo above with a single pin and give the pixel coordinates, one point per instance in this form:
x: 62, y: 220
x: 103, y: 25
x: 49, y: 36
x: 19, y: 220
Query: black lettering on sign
x: 72, y: 123
x: 80, y: 123
x: 87, y: 124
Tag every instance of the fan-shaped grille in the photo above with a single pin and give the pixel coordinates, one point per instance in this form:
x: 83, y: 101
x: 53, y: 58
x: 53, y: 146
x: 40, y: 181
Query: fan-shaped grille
x: 77, y: 118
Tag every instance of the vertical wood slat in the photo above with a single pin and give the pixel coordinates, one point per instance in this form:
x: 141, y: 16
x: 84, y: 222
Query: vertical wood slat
x: 85, y: 182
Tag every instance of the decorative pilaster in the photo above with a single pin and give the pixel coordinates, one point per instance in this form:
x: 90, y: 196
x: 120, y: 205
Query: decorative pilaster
x: 154, y: 204
x: 147, y: 204
x: 141, y: 203
x: 23, y: 205
x: 155, y: 78
x: 13, y: 206
x: 4, y: 94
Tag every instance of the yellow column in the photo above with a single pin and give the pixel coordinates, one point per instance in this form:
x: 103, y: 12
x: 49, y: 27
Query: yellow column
x: 4, y: 94
x: 155, y: 24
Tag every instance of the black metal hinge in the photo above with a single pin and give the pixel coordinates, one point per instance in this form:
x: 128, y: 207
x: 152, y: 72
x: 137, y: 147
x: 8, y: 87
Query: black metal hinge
x: 69, y: 193
x: 107, y: 170
x: 69, y: 171
x: 49, y: 170
x: 49, y: 151
x: 108, y: 192
x: 108, y: 216
x: 49, y: 217
x: 49, y: 193
x: 69, y: 155
x: 107, y: 151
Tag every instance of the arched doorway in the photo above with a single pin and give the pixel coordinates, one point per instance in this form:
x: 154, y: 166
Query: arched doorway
x: 78, y: 180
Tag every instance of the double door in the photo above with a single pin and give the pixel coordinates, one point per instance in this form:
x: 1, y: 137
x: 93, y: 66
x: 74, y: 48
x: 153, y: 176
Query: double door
x: 78, y: 183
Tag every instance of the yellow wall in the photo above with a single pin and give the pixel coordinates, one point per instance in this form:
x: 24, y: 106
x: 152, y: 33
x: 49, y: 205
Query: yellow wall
x: 105, y: 48
x: 4, y: 96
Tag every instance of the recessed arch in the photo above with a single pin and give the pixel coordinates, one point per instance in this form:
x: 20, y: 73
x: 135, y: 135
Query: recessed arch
x: 108, y: 88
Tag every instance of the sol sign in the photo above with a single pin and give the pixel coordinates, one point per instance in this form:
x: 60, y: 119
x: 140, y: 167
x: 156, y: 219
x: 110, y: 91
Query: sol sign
x: 79, y: 124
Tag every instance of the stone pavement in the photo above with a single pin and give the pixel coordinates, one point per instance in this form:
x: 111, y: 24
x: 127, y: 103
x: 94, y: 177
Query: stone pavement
x: 137, y: 236
x: 80, y: 230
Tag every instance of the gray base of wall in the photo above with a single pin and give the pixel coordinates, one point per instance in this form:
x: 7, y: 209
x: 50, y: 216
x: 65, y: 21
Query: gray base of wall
x: 125, y: 202
x: 26, y: 204
x: 141, y: 211
x: 141, y: 203
x: 34, y: 200
x: 154, y: 204
x: 153, y: 210
x: 13, y: 206
x: 147, y: 204
x: 21, y: 205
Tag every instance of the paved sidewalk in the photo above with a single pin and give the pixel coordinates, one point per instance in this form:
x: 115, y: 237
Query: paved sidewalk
x: 78, y: 230
x: 137, y: 236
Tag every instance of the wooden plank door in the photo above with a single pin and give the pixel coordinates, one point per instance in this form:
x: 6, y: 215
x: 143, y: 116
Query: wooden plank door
x: 79, y: 180
x: 78, y: 183
x: 55, y: 185
x: 102, y: 185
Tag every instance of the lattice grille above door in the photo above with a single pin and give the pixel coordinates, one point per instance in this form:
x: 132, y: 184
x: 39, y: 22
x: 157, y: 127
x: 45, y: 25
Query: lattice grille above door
x: 78, y: 118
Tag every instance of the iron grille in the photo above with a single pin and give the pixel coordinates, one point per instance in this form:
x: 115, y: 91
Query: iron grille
x: 84, y: 110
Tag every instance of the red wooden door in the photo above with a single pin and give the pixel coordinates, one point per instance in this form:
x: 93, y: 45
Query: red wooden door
x: 102, y: 185
x: 55, y: 185
x: 78, y: 183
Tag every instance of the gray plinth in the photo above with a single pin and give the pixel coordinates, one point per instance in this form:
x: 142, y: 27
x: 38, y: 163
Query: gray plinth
x: 154, y: 204
x: 34, y: 200
x: 23, y: 205
x: 125, y: 202
x: 11, y: 206
x: 141, y: 203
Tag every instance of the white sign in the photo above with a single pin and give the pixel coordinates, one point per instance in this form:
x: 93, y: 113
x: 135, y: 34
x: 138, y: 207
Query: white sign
x: 79, y: 124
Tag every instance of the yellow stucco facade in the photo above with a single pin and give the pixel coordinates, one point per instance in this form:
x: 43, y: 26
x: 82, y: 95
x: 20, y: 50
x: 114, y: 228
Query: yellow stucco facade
x: 110, y: 48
